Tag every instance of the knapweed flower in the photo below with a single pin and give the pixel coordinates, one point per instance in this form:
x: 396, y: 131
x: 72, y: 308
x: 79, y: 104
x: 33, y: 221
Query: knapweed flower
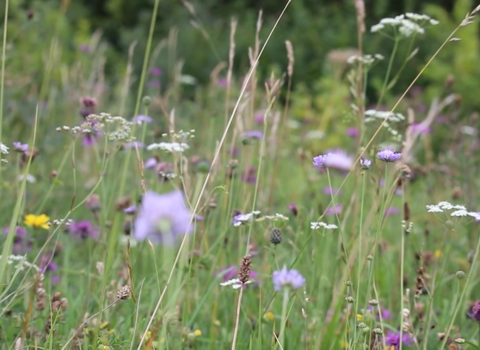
x: 37, y: 221
x: 88, y: 106
x: 339, y: 161
x: 287, y: 279
x: 331, y: 191
x: 365, y: 164
x: 388, y: 155
x: 162, y: 218
x: 474, y: 312
x: 83, y: 230
x: 259, y: 118
x: 20, y: 147
x: 21, y: 243
x: 139, y: 119
x: 393, y: 339
x: 229, y: 272
x: 352, y: 132
x: 293, y: 209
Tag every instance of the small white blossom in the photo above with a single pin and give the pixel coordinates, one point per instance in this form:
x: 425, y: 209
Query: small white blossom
x: 406, y: 25
x: 169, y: 146
x: 276, y: 217
x: 28, y: 177
x: 317, y: 225
x: 3, y: 148
x: 235, y: 283
x: 241, y: 219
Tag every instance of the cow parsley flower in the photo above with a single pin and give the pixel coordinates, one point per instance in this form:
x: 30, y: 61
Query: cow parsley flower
x: 317, y: 225
x: 169, y: 146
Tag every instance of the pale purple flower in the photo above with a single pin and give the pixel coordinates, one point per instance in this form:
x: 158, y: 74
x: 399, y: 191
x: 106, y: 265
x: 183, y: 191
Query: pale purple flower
x: 259, y: 118
x: 331, y: 191
x: 155, y: 71
x: 254, y: 134
x: 230, y: 272
x: 250, y: 175
x: 365, y: 164
x: 83, y: 230
x: 293, y: 209
x: 420, y: 129
x: 89, y: 140
x: 392, y: 211
x: 84, y: 48
x: 287, y: 278
x: 142, y: 119
x: 222, y: 82
x: 338, y: 160
x: 352, y: 132
x: 21, y: 242
x: 388, y: 155
x: 133, y: 144
x: 150, y: 163
x: 336, y: 210
x: 130, y: 210
x: 393, y: 339
x: 20, y: 147
x: 162, y: 218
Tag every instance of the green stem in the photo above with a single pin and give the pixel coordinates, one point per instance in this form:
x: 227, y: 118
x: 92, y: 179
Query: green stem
x: 389, y: 70
x: 286, y: 296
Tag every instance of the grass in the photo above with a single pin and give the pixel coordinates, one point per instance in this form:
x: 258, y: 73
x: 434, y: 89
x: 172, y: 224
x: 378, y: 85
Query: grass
x: 379, y: 267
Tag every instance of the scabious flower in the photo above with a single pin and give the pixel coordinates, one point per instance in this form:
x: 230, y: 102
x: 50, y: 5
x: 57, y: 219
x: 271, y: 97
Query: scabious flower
x: 139, y: 119
x: 420, y: 129
x: 365, y: 164
x: 287, y: 279
x: 130, y: 210
x: 37, y: 221
x: 20, y: 147
x: 338, y: 160
x: 155, y: 71
x: 162, y: 218
x: 388, y: 155
x: 133, y: 144
x: 240, y: 219
x: 393, y: 339
x: 254, y: 134
x: 83, y: 230
x: 391, y: 211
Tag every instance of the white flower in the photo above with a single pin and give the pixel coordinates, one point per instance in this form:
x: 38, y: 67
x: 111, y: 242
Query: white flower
x: 371, y: 114
x: 169, y: 146
x: 241, y: 219
x: 434, y: 209
x: 3, y: 148
x: 235, y: 283
x: 28, y: 177
x: 406, y: 25
x: 317, y: 225
x: 276, y: 217
x: 459, y: 213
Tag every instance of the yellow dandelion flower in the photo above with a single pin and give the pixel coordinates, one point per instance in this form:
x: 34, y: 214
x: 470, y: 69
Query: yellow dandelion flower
x: 111, y: 331
x: 197, y: 332
x: 269, y: 316
x: 437, y: 253
x: 37, y: 221
x: 359, y: 317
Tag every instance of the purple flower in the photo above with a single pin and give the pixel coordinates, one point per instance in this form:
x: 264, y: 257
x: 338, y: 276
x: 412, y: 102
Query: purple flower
x: 420, y: 129
x: 83, y: 230
x: 233, y: 152
x: 331, y: 191
x: 21, y: 243
x: 162, y: 218
x: 259, y: 118
x: 89, y: 140
x: 142, y: 119
x: 46, y: 263
x: 391, y: 211
x: 338, y: 160
x: 287, y: 278
x: 151, y: 163
x: 352, y: 132
x: 155, y: 84
x: 222, y: 82
x: 84, y: 48
x: 293, y: 208
x: 130, y: 210
x: 250, y: 175
x: 474, y: 312
x: 393, y: 339
x: 155, y: 71
x: 230, y: 272
x: 254, y: 134
x: 386, y: 314
x: 20, y: 147
x: 133, y: 144
x: 336, y: 210
x: 365, y: 164
x: 388, y: 155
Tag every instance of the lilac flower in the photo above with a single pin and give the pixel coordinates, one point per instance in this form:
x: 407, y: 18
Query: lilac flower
x: 259, y: 118
x: 21, y: 243
x: 365, y: 164
x: 254, y: 134
x: 133, y: 144
x: 250, y: 175
x: 393, y: 339
x: 84, y: 48
x: 388, y: 155
x: 20, y: 147
x: 339, y: 160
x: 474, y: 312
x: 130, y: 210
x: 293, y: 209
x: 83, y: 230
x: 222, y: 82
x: 336, y: 210
x: 230, y: 272
x: 150, y: 163
x: 162, y: 218
x: 287, y: 278
x: 89, y: 140
x: 352, y: 132
x: 331, y: 191
x: 385, y: 313
x: 155, y: 71
x: 142, y: 119
x: 391, y: 211
x: 420, y: 129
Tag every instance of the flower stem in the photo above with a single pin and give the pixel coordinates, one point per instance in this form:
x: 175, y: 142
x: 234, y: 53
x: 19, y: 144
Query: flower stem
x: 286, y: 296
x: 237, y: 318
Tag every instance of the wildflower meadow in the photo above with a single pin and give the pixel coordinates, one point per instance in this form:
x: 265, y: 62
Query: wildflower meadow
x: 142, y: 208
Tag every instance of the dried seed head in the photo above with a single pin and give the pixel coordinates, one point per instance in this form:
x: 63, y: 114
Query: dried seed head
x: 245, y: 269
x: 123, y: 293
x: 93, y: 202
x: 276, y: 236
x: 122, y: 203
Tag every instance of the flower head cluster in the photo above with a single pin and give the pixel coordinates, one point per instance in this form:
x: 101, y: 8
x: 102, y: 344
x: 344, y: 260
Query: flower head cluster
x: 393, y: 340
x: 365, y: 59
x: 452, y: 210
x: 3, y: 149
x: 388, y: 155
x: 287, y: 279
x: 22, y: 264
x: 162, y: 218
x: 241, y: 219
x: 319, y: 224
x: 474, y: 312
x: 406, y: 25
x: 170, y: 147
x: 338, y: 160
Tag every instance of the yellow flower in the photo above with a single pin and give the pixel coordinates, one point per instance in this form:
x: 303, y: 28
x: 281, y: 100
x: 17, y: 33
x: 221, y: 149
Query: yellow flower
x: 438, y: 253
x: 269, y: 316
x: 104, y: 325
x: 111, y: 331
x: 197, y: 332
x: 37, y: 221
x: 359, y: 317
